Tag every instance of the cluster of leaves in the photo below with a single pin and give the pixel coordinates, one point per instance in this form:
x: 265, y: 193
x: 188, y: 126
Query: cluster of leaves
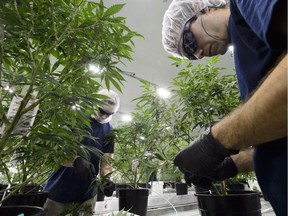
x: 76, y: 209
x: 46, y: 47
x: 204, y: 95
x: 141, y: 144
x: 201, y: 96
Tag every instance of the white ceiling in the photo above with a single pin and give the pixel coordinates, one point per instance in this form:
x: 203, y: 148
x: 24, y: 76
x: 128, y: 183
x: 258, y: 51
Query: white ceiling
x: 150, y: 62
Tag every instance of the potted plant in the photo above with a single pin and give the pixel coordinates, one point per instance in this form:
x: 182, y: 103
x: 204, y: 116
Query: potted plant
x: 134, y: 166
x: 204, y: 96
x: 140, y: 147
x: 181, y: 187
x: 22, y: 210
x: 46, y: 85
x: 170, y: 174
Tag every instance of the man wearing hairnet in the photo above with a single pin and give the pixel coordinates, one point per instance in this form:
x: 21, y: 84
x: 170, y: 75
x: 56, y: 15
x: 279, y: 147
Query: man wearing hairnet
x: 257, y: 30
x: 71, y: 183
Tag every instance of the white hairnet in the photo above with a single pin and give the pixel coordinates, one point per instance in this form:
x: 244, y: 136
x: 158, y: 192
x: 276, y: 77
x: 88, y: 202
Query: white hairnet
x: 111, y: 103
x: 175, y: 17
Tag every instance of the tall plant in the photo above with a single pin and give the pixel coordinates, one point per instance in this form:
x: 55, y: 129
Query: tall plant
x: 140, y: 144
x: 202, y: 95
x: 45, y: 52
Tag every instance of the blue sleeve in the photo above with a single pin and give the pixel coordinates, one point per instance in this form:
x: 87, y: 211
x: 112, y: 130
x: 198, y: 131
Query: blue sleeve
x: 258, y: 15
x: 109, y: 142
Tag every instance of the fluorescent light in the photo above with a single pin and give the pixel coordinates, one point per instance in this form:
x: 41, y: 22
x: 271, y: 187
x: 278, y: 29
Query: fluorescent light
x: 95, y: 69
x: 9, y: 89
x: 163, y: 93
x: 75, y: 107
x: 126, y: 118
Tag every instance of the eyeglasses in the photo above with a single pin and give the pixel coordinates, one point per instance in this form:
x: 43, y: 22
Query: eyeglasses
x: 189, y: 41
x: 103, y: 112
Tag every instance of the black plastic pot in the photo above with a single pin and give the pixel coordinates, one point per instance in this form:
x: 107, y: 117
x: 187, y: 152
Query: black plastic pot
x: 25, y: 189
x: 181, y: 188
x: 121, y: 186
x: 240, y: 203
x: 25, y: 210
x: 32, y: 188
x: 134, y: 200
x: 100, y: 195
x: 30, y: 199
x: 201, y: 190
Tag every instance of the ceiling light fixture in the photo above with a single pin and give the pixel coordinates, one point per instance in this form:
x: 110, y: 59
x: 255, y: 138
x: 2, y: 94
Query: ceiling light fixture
x: 95, y: 69
x: 126, y: 118
x: 163, y: 93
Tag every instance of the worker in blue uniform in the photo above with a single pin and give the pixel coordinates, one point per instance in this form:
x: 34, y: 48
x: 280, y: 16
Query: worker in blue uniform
x: 72, y: 182
x: 257, y: 30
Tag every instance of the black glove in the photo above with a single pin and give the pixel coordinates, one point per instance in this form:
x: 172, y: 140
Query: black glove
x: 225, y: 170
x: 108, y: 188
x: 198, y: 181
x: 84, y: 169
x: 202, y: 156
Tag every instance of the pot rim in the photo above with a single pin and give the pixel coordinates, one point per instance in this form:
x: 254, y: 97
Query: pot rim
x: 232, y: 194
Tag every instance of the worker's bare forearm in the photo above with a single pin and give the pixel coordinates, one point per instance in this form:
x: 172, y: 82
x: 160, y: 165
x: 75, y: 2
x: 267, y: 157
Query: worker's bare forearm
x: 262, y: 118
x: 106, y: 167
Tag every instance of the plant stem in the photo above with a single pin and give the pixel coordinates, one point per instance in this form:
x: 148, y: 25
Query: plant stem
x: 223, y: 188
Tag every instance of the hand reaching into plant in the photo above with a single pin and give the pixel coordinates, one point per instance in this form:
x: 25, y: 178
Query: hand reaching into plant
x: 198, y: 181
x: 202, y: 156
x: 84, y: 169
x: 225, y: 170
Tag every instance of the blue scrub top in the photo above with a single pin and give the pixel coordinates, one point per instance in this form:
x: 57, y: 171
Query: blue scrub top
x: 255, y: 53
x: 64, y: 185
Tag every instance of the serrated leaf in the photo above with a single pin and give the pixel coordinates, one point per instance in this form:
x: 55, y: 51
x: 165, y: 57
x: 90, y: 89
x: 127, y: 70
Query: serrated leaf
x: 113, y: 10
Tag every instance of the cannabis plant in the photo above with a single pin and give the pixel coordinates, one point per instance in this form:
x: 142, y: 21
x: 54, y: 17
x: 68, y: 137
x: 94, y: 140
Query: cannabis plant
x: 47, y: 88
x: 203, y: 94
x: 140, y: 144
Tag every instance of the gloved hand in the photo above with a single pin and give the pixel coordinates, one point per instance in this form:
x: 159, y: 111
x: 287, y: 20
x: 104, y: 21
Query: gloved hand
x: 198, y: 181
x: 108, y: 188
x: 202, y: 156
x: 225, y: 170
x: 84, y: 169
